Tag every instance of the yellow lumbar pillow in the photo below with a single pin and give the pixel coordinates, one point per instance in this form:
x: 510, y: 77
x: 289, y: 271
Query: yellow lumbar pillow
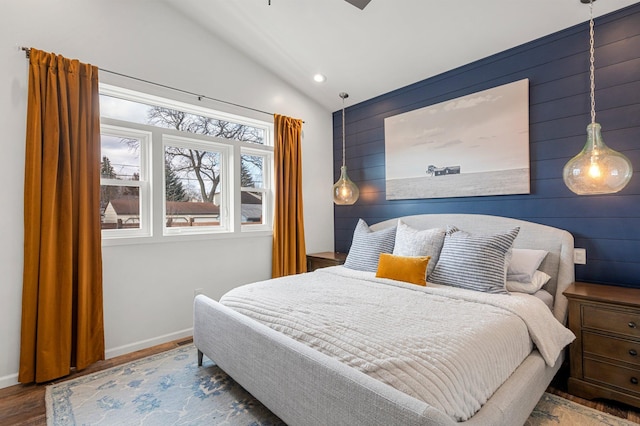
x: 410, y: 269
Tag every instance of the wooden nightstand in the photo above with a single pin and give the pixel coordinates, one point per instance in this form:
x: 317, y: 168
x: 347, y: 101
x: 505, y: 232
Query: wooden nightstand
x: 605, y: 357
x: 324, y: 259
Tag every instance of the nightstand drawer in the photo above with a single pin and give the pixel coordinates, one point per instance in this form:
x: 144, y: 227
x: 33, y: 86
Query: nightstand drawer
x: 610, y: 347
x: 613, y: 375
x: 621, y: 322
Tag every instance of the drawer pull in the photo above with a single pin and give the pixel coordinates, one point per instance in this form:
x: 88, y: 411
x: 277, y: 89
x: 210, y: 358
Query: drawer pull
x: 634, y: 380
x: 633, y: 352
x: 632, y: 324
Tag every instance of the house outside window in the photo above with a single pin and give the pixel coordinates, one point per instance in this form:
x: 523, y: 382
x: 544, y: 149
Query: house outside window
x: 170, y: 169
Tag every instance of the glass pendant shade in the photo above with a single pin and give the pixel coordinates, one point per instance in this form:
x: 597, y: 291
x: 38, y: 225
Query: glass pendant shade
x: 345, y: 192
x: 597, y: 169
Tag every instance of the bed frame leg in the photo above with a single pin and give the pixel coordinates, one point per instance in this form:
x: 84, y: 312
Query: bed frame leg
x: 200, y: 355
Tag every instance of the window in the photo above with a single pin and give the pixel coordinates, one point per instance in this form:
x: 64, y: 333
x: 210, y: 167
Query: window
x: 170, y: 168
x: 195, y: 192
x: 254, y: 199
x: 124, y: 182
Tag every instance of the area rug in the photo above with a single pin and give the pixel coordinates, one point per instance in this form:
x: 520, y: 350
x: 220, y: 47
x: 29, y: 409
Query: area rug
x: 554, y: 410
x: 170, y: 389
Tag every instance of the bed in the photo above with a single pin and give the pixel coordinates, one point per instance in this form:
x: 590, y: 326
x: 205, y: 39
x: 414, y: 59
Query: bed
x: 309, y: 379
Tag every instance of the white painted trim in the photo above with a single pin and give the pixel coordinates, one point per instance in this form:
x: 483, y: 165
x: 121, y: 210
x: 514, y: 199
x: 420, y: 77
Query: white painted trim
x: 144, y: 344
x: 9, y: 380
x: 12, y: 379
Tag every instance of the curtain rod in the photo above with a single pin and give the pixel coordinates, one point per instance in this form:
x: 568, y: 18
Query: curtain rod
x: 27, y: 51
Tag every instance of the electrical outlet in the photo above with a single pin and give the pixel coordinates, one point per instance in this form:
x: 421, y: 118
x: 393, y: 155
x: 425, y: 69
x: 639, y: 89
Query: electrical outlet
x: 198, y: 291
x: 580, y: 256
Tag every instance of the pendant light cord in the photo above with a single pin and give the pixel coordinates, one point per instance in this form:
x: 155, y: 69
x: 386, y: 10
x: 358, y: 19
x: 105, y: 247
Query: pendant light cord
x: 343, y: 135
x: 592, y: 66
x: 343, y: 95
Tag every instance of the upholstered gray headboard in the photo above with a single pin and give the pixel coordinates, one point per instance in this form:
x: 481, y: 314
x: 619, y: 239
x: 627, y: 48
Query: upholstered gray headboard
x: 558, y: 242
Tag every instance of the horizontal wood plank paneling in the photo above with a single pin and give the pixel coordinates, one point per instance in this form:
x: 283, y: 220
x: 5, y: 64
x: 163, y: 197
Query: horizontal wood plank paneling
x: 608, y: 226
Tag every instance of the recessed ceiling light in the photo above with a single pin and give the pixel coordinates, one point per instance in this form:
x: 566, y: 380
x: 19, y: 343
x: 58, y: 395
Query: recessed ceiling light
x: 319, y: 78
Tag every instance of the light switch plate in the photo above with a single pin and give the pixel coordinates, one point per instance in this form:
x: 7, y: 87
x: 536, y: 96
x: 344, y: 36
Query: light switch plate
x: 580, y: 256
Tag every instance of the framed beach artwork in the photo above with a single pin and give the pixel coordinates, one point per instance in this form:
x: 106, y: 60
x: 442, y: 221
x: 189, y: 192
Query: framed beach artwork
x: 475, y: 145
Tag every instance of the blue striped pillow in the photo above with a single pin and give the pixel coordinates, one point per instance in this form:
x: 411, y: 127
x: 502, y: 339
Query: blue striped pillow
x: 474, y: 261
x: 367, y: 246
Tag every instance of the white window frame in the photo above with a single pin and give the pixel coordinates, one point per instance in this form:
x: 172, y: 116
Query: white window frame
x: 226, y: 154
x: 154, y: 193
x: 267, y: 189
x: 143, y: 184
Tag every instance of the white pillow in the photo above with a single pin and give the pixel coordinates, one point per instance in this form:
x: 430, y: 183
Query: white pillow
x: 539, y: 279
x: 414, y: 242
x: 524, y: 263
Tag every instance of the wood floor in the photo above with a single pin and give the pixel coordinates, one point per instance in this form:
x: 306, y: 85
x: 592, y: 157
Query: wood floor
x: 24, y: 404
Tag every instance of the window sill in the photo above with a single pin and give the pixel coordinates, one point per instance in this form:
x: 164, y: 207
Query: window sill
x: 111, y: 242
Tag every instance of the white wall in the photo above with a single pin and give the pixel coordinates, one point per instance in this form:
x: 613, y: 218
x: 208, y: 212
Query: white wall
x: 148, y: 288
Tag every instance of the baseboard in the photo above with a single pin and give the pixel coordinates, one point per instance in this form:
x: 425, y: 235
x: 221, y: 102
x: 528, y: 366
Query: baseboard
x: 144, y: 344
x: 12, y: 379
x: 9, y: 380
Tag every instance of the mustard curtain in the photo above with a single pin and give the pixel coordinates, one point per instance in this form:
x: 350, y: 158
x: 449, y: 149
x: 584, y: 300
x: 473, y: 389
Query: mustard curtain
x: 289, y: 253
x: 62, y: 317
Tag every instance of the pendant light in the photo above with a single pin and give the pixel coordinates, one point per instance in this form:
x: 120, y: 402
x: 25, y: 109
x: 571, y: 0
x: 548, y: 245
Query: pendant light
x: 345, y: 192
x: 597, y: 169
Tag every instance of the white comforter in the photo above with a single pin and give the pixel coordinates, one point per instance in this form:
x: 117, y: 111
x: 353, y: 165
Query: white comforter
x: 449, y: 347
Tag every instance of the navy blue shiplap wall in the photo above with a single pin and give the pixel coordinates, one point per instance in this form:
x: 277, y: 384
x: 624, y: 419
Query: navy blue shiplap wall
x: 608, y: 226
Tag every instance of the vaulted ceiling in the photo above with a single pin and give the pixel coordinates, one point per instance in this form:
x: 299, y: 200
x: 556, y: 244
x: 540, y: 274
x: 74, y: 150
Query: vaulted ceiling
x: 387, y: 45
